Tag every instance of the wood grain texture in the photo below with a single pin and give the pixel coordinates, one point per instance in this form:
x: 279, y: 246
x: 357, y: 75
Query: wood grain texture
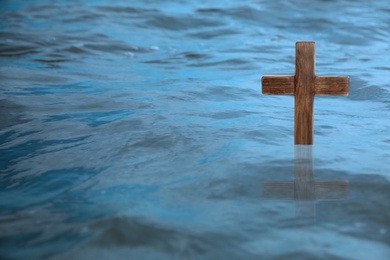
x: 331, y: 86
x: 304, y: 93
x: 277, y: 85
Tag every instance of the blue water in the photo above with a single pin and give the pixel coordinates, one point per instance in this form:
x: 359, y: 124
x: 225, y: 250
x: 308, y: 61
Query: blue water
x: 137, y: 130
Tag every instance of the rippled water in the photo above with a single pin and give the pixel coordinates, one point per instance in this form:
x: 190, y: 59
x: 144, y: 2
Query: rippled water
x: 137, y: 130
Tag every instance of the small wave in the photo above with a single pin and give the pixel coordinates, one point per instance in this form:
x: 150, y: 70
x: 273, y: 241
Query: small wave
x: 211, y: 34
x: 234, y: 64
x: 177, y: 23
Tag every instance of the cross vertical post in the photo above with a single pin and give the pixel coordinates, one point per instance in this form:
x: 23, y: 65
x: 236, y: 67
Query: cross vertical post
x: 304, y: 183
x: 304, y: 92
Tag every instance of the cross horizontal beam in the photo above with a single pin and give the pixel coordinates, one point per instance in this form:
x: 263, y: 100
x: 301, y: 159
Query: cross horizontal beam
x: 323, y: 85
x: 321, y: 190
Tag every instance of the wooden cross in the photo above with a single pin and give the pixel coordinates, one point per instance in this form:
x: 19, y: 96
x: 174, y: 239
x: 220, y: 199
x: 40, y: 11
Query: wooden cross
x: 305, y: 190
x: 304, y: 86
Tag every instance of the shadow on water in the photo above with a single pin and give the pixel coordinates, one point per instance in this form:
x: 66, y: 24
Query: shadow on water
x: 240, y: 223
x: 305, y: 190
x: 11, y: 114
x: 137, y: 129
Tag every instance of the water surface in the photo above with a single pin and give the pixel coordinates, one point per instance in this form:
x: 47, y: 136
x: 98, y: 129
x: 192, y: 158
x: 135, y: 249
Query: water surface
x: 137, y: 129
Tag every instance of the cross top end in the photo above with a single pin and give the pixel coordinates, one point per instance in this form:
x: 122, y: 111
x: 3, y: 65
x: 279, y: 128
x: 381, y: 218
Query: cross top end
x: 304, y: 85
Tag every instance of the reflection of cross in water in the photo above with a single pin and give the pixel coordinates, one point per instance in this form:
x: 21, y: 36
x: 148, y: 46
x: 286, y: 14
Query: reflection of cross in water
x: 304, y: 85
x: 305, y: 190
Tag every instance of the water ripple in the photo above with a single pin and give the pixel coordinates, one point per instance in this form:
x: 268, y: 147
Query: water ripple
x: 138, y: 129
